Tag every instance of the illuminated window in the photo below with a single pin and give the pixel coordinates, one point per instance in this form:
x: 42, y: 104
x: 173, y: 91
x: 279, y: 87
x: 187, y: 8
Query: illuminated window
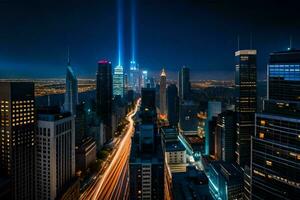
x: 261, y: 135
x: 269, y: 163
x: 262, y: 122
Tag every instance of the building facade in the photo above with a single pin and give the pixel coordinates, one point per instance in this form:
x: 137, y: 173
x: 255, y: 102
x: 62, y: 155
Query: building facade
x: 162, y: 93
x: 245, y: 103
x: 71, y: 95
x: 17, y: 139
x: 118, y: 81
x: 104, y: 96
x: 184, y: 84
x: 55, y: 152
x: 173, y: 105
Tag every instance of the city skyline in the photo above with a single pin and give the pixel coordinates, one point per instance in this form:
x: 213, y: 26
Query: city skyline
x: 202, y: 45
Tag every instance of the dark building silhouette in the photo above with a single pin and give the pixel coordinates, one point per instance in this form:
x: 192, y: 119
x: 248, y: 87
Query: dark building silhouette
x: 225, y: 136
x: 245, y: 104
x: 173, y: 105
x: 104, y: 95
x: 275, y: 158
x: 184, y: 83
x: 17, y: 139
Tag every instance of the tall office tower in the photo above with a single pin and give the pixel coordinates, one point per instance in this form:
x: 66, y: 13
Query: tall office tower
x: 17, y: 139
x: 184, y: 83
x: 213, y: 109
x: 275, y: 158
x: 55, y: 157
x: 71, y: 95
x: 104, y: 94
x: 245, y: 104
x: 118, y: 81
x: 134, y: 77
x: 162, y: 93
x: 173, y: 105
x: 152, y: 82
x: 225, y: 136
x: 188, y: 119
x: 146, y: 163
x: 148, y: 108
x: 144, y: 78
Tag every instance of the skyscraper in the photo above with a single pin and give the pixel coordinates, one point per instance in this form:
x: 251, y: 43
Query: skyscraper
x: 134, y: 77
x: 104, y: 94
x: 213, y: 109
x: 162, y: 93
x: 225, y: 136
x: 144, y: 78
x: 17, y: 139
x: 275, y: 166
x: 118, y: 81
x: 184, y: 83
x: 173, y: 105
x: 55, y: 157
x: 245, y: 104
x: 71, y: 95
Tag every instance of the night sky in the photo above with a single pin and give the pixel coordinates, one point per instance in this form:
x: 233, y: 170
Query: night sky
x: 35, y: 35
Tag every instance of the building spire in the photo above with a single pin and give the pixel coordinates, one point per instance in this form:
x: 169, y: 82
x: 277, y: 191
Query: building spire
x: 238, y: 42
x: 163, y: 73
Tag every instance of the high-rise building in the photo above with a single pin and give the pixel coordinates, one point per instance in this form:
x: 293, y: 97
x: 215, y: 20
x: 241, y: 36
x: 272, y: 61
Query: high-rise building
x: 173, y: 105
x: 118, y: 81
x: 162, y: 93
x: 71, y: 95
x: 213, y: 109
x: 104, y: 95
x: 135, y: 77
x: 146, y: 163
x: 55, y: 156
x: 245, y: 104
x: 275, y: 158
x: 17, y: 139
x: 184, y: 84
x: 188, y: 119
x: 225, y: 139
x: 144, y: 78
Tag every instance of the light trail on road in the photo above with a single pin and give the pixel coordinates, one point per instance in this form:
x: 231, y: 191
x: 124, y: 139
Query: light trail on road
x: 109, y: 184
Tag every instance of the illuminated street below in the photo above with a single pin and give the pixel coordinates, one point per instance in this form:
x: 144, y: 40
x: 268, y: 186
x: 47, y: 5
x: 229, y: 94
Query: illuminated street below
x: 112, y: 180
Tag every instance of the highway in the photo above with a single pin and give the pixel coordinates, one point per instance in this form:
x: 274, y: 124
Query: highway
x: 112, y: 180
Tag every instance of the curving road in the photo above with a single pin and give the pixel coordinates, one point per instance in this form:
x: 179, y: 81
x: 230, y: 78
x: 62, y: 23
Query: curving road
x: 112, y: 180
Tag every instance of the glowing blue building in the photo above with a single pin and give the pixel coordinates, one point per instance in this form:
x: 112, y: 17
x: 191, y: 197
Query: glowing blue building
x: 71, y: 95
x: 118, y: 81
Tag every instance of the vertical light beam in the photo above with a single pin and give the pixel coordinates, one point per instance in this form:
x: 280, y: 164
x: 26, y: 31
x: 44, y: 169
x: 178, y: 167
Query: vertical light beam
x: 120, y: 31
x: 133, y: 30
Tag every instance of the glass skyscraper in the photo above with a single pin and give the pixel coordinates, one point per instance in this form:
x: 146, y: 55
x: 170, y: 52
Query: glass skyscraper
x: 104, y: 95
x: 275, y: 158
x: 245, y: 104
x: 184, y: 83
x: 71, y: 95
x: 118, y: 81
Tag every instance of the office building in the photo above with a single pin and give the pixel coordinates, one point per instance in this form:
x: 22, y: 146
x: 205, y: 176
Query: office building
x: 144, y: 78
x: 225, y: 137
x: 174, y: 150
x: 135, y: 77
x: 71, y: 95
x: 192, y: 184
x: 162, y: 93
x: 118, y: 81
x: 184, y: 84
x: 104, y: 96
x: 226, y: 180
x: 275, y: 166
x: 173, y: 105
x: 188, y: 119
x: 148, y: 98
x: 17, y: 139
x: 55, y: 152
x: 245, y: 103
x: 86, y: 154
x: 213, y: 109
